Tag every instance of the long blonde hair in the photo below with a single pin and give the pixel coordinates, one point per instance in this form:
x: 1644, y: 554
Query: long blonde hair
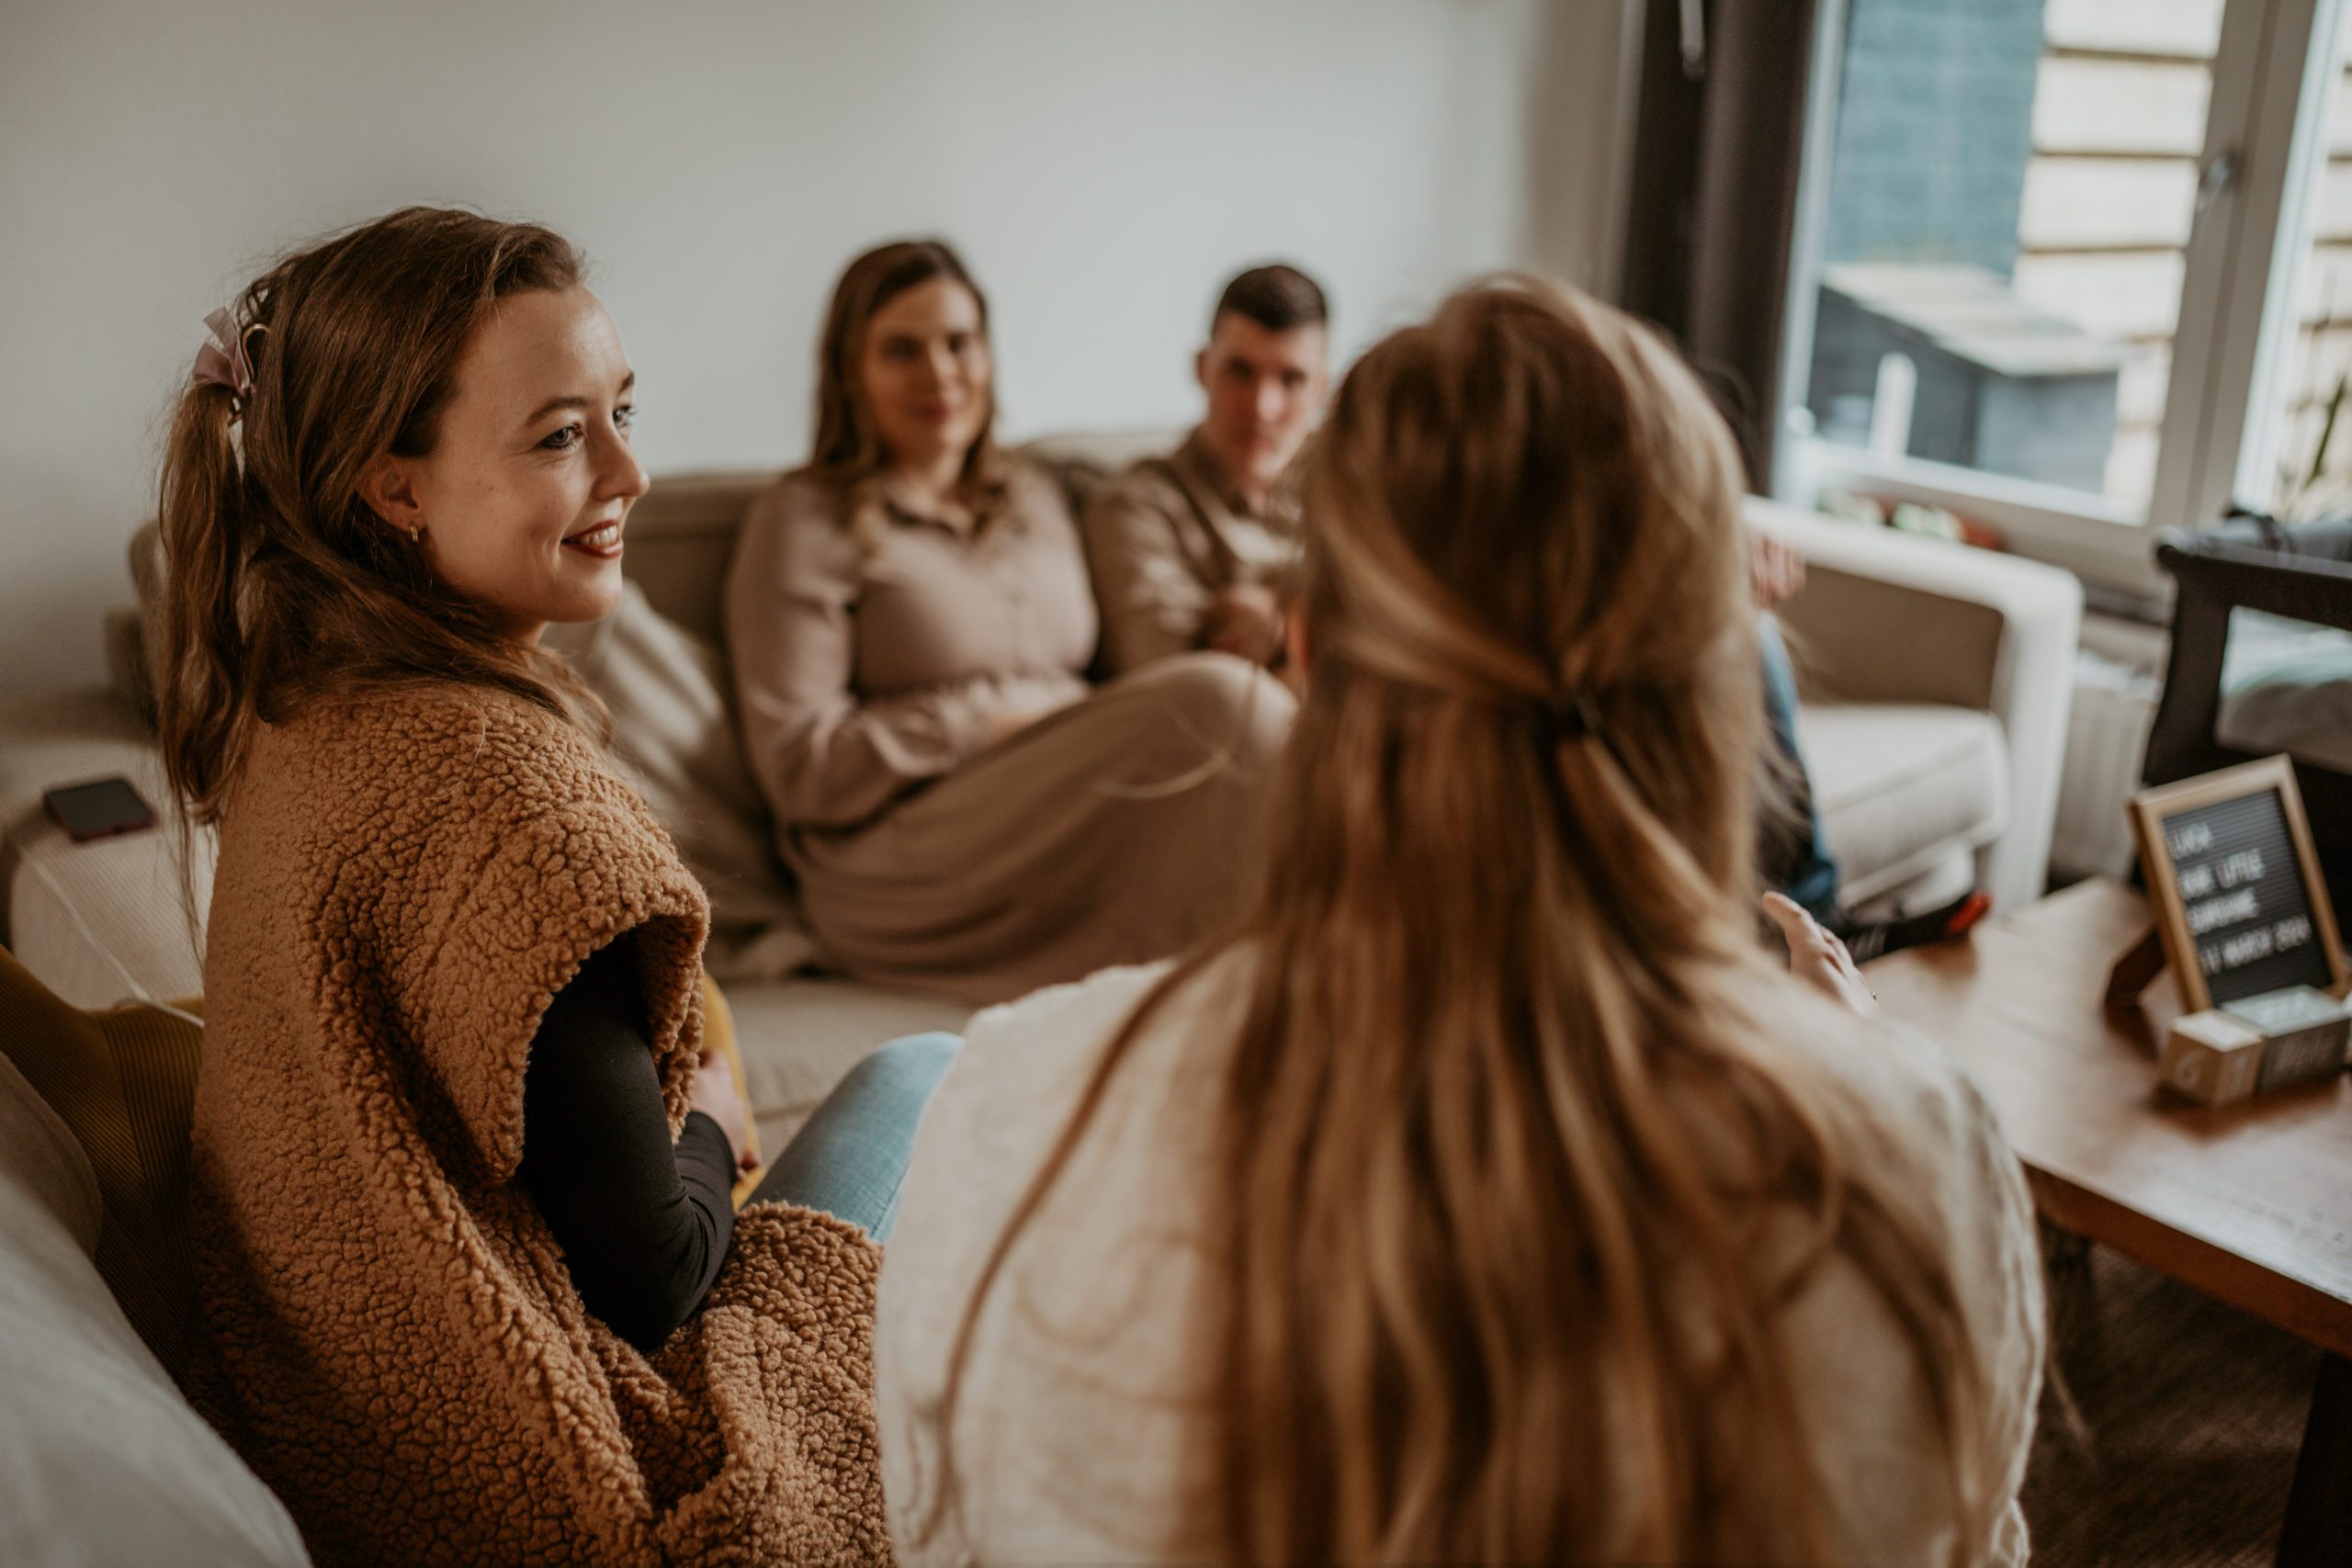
x: 1495, y: 1157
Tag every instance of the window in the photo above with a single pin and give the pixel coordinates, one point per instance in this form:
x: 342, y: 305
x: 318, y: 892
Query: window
x: 2309, y: 473
x: 2050, y: 270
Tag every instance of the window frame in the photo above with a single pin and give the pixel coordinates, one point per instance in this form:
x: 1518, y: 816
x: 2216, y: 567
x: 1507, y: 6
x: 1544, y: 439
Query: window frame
x: 2241, y: 278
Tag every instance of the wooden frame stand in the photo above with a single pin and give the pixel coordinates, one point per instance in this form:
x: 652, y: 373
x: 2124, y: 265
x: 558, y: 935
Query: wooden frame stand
x: 2191, y: 890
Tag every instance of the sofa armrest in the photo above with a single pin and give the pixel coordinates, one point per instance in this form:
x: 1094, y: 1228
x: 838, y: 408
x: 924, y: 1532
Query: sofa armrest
x: 1892, y: 617
x: 107, y: 921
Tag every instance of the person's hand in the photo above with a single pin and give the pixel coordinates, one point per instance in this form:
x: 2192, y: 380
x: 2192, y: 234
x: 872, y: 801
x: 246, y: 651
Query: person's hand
x: 1775, y: 571
x: 1247, y: 620
x: 713, y: 1094
x: 1816, y: 955
x: 1006, y: 723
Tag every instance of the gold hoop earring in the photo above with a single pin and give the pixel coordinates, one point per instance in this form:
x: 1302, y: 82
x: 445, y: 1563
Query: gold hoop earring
x: 416, y: 533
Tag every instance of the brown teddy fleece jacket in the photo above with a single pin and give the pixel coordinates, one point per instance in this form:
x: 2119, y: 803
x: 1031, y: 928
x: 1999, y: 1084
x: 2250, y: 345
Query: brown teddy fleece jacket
x: 405, y: 881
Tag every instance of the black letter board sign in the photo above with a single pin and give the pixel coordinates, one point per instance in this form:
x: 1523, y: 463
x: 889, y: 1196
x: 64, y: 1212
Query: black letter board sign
x: 2239, y: 899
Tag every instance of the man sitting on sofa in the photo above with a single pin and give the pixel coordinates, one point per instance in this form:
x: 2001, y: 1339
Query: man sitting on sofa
x: 1193, y: 550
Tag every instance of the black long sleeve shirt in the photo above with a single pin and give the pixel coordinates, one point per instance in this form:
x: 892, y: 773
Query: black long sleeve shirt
x: 644, y: 1223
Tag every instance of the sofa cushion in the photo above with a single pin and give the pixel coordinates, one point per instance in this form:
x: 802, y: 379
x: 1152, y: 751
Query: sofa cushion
x: 124, y: 1081
x: 674, y: 735
x: 101, y: 1461
x: 1899, y: 787
x: 2286, y: 686
x: 800, y: 1037
x: 2304, y: 710
x: 103, y: 921
x: 681, y: 536
x: 1083, y: 460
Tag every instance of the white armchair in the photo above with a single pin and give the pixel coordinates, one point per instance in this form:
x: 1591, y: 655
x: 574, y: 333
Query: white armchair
x: 1936, y: 679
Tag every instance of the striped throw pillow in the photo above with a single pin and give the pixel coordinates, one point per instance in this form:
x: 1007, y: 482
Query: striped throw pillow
x: 124, y: 1080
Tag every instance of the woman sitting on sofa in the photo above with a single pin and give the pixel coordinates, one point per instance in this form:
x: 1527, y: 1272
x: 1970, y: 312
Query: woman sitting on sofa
x: 910, y: 623
x: 470, y: 1284
x: 1491, y: 1197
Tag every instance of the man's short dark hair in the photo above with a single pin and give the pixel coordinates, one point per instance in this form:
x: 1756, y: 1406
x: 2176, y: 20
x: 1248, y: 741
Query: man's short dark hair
x: 1279, y: 299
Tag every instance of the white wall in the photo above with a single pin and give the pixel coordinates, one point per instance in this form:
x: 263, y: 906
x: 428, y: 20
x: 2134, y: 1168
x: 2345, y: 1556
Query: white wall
x: 1102, y: 163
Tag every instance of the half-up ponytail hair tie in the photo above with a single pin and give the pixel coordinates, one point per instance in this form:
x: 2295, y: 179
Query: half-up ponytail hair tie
x: 227, y: 359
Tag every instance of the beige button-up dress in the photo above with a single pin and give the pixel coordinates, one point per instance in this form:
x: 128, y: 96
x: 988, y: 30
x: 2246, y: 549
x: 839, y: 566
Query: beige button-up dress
x: 1164, y: 539
x: 878, y: 652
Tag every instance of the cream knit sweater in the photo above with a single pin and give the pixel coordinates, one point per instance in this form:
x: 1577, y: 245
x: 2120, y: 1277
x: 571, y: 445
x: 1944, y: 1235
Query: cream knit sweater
x: 1072, y: 1440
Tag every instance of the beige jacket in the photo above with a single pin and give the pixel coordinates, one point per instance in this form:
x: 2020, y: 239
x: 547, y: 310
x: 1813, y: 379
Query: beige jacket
x: 1167, y: 537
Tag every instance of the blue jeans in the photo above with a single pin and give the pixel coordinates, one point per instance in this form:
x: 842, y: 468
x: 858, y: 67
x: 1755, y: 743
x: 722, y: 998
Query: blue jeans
x: 851, y: 1154
x: 1795, y: 857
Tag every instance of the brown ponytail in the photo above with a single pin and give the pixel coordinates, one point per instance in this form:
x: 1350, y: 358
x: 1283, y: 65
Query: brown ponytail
x: 205, y: 645
x: 1502, y: 1126
x: 281, y: 586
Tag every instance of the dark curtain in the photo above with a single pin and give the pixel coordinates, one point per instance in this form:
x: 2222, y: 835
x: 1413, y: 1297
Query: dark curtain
x: 1718, y: 136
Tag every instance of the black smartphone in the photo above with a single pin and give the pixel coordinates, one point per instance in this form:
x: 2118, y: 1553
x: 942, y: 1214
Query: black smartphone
x: 99, y: 809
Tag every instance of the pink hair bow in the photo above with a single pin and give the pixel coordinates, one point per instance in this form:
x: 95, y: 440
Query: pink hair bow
x: 222, y: 361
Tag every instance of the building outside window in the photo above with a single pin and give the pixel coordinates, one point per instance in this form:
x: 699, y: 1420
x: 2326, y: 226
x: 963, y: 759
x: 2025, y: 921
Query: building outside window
x: 2075, y: 267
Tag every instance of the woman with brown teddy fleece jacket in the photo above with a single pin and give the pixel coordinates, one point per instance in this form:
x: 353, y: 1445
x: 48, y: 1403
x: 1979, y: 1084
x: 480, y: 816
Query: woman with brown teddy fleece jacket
x: 470, y: 1284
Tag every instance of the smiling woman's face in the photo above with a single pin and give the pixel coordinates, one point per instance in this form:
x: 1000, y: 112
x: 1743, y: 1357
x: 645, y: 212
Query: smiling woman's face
x: 523, y: 498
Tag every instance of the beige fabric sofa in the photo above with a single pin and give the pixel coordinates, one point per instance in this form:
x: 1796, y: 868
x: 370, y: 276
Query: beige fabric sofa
x: 101, y: 1461
x: 1936, y: 679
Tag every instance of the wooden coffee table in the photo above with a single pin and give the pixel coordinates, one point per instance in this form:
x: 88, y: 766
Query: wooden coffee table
x: 2251, y: 1204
